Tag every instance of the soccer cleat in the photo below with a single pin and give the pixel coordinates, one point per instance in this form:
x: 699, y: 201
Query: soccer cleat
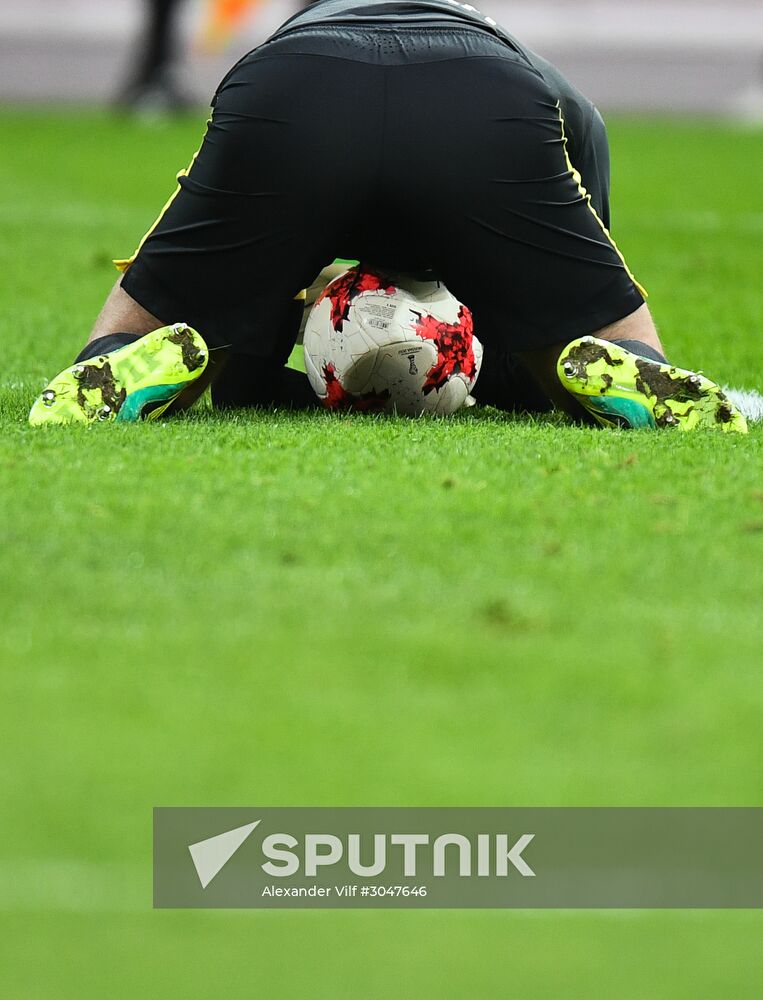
x: 621, y: 389
x: 138, y: 381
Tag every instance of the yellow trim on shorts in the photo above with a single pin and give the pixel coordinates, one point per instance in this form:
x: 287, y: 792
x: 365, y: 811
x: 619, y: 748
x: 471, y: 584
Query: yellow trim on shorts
x: 121, y: 264
x: 579, y: 181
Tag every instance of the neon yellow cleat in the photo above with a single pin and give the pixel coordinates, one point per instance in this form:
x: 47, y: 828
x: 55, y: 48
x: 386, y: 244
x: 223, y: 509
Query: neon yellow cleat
x: 136, y: 382
x: 621, y: 389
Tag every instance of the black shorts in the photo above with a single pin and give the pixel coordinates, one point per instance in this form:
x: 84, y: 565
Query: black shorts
x: 411, y: 148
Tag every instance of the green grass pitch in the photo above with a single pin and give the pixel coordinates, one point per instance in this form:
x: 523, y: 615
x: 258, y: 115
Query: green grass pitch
x: 281, y: 610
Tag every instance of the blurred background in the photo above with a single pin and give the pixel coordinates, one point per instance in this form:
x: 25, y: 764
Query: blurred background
x: 686, y: 56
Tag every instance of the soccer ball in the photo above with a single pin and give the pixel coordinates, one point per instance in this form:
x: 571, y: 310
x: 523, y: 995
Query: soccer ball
x: 390, y: 343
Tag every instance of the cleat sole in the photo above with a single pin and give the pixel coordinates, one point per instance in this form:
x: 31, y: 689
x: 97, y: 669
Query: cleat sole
x: 139, y: 381
x: 621, y: 389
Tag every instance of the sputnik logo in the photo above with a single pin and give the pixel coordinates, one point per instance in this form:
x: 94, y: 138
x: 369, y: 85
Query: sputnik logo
x: 210, y: 856
x: 493, y: 852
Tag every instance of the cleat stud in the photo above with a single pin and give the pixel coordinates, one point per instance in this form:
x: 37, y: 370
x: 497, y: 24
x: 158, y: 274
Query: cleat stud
x: 79, y: 371
x: 694, y: 379
x: 104, y: 412
x: 49, y: 397
x: 569, y: 369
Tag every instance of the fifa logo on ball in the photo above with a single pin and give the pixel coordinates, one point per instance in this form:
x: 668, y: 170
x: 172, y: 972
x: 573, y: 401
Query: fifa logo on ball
x: 412, y: 369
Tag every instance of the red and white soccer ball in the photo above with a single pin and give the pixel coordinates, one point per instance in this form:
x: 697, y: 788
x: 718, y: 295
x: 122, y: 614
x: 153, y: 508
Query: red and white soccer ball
x: 384, y: 343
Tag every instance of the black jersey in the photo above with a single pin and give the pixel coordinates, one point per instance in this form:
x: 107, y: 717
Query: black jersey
x: 411, y: 12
